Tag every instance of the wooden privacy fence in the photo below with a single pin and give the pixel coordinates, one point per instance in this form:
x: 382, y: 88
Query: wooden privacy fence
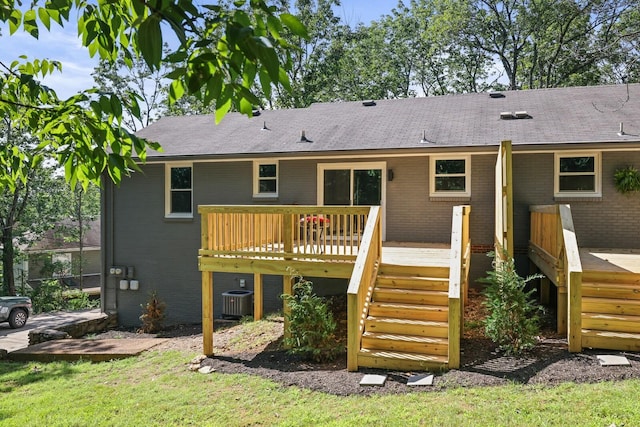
x: 553, y: 247
x: 282, y: 232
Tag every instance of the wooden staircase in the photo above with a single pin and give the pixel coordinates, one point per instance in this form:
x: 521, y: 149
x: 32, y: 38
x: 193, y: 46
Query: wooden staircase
x: 407, y: 327
x: 611, y: 310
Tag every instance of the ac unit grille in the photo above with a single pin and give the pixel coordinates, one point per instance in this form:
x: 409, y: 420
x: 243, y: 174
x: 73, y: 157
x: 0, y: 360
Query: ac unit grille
x: 237, y: 303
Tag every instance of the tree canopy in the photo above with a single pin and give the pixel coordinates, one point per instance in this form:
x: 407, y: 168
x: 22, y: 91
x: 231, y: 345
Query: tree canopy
x: 220, y: 52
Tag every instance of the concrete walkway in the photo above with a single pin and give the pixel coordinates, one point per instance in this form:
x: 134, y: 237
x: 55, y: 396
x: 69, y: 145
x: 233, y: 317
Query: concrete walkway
x: 15, y: 339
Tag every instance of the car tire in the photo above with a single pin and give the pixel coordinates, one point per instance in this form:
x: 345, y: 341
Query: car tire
x: 18, y: 318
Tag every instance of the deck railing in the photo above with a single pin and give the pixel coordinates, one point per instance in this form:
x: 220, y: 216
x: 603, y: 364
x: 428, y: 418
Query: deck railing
x: 458, y: 279
x: 330, y: 233
x: 553, y: 247
x: 361, y: 285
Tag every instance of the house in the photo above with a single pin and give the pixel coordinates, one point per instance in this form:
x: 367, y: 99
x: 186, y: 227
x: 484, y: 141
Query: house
x: 56, y: 255
x: 415, y: 158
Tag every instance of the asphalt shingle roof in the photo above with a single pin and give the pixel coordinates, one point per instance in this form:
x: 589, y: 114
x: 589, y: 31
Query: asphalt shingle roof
x: 557, y: 116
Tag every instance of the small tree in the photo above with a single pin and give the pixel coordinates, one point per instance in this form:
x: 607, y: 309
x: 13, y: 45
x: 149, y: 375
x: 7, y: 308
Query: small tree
x: 311, y: 323
x: 152, y: 315
x: 513, y: 315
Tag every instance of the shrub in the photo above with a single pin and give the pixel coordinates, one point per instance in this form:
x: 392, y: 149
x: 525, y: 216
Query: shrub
x: 152, y: 315
x: 513, y: 317
x: 49, y: 296
x: 627, y: 179
x: 52, y: 295
x: 311, y: 324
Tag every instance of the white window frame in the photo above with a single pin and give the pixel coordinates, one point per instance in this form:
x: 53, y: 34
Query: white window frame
x: 168, y: 189
x: 466, y: 174
x: 597, y: 166
x: 257, y: 178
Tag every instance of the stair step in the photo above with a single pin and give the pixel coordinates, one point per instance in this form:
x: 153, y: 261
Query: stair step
x: 412, y: 270
x: 405, y: 343
x: 611, y: 290
x: 611, y: 322
x: 611, y: 277
x: 407, y: 326
x: 401, y: 361
x: 611, y: 306
x: 413, y: 282
x: 610, y: 340
x: 411, y: 296
x: 409, y: 311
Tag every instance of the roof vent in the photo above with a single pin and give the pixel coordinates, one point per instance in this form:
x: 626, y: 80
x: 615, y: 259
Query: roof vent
x: 369, y: 103
x: 621, y: 131
x: 506, y: 115
x: 522, y: 115
x: 424, y: 139
x: 255, y: 113
x: 496, y: 95
x: 303, y: 138
x: 264, y: 126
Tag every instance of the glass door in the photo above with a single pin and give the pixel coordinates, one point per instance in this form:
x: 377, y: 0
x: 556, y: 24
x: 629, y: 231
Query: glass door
x: 356, y: 184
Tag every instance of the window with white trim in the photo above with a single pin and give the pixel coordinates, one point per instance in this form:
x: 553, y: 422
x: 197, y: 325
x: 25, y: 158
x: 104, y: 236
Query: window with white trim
x: 450, y: 176
x: 265, y: 179
x: 577, y: 175
x: 179, y: 190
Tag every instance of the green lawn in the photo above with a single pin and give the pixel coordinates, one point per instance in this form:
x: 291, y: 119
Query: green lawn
x: 157, y: 389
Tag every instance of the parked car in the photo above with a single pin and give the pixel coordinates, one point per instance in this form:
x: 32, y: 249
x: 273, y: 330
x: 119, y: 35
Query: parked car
x: 15, y: 310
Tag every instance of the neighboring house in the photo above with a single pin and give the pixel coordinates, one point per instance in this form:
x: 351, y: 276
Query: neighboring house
x: 416, y: 158
x: 56, y: 255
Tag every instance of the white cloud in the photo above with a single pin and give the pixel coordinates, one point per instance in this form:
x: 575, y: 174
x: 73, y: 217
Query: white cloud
x: 60, y: 44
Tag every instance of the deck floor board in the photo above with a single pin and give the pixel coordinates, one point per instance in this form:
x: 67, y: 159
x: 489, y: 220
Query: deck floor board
x: 610, y: 260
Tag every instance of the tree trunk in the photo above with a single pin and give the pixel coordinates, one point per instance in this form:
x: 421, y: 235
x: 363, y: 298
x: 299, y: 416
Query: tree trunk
x: 8, y: 279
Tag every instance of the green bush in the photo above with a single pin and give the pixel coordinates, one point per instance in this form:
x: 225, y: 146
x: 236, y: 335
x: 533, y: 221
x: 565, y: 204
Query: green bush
x: 513, y: 317
x: 311, y: 324
x: 52, y: 295
x: 627, y: 179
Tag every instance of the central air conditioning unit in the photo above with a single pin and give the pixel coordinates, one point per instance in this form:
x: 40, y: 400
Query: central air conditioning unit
x: 237, y: 303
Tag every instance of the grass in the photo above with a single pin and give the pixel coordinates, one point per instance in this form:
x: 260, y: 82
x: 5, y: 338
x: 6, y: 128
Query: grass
x: 156, y: 389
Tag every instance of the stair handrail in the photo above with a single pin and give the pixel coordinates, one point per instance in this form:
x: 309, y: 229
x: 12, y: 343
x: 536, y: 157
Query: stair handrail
x: 564, y: 253
x: 361, y: 284
x: 460, y: 259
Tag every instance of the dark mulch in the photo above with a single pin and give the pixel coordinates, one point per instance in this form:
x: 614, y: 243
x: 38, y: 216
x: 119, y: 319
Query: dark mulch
x: 548, y: 363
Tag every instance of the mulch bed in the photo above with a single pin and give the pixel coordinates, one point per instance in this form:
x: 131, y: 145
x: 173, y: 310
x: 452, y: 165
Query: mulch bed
x: 548, y: 363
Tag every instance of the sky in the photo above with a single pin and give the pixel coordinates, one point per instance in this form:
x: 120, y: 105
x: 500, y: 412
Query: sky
x: 63, y: 45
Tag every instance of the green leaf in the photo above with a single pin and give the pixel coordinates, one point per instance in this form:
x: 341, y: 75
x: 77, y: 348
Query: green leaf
x: 150, y: 41
x: 44, y: 17
x: 223, y: 104
x: 176, y: 90
x: 293, y: 24
x: 15, y: 20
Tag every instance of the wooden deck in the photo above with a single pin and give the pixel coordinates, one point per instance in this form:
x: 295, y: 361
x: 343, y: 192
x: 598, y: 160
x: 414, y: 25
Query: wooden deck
x: 610, y: 260
x: 598, y: 288
x: 419, y: 286
x: 416, y: 254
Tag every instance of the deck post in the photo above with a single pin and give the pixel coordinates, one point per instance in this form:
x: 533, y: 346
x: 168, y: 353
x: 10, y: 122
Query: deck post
x: 353, y: 339
x: 545, y: 287
x: 258, y: 297
x: 287, y: 233
x: 575, y: 312
x: 563, y: 302
x: 207, y: 313
x: 287, y: 289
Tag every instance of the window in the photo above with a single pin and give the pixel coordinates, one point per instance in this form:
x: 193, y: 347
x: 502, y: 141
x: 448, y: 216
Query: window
x: 450, y: 177
x: 179, y: 197
x: 265, y: 179
x: 577, y: 175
